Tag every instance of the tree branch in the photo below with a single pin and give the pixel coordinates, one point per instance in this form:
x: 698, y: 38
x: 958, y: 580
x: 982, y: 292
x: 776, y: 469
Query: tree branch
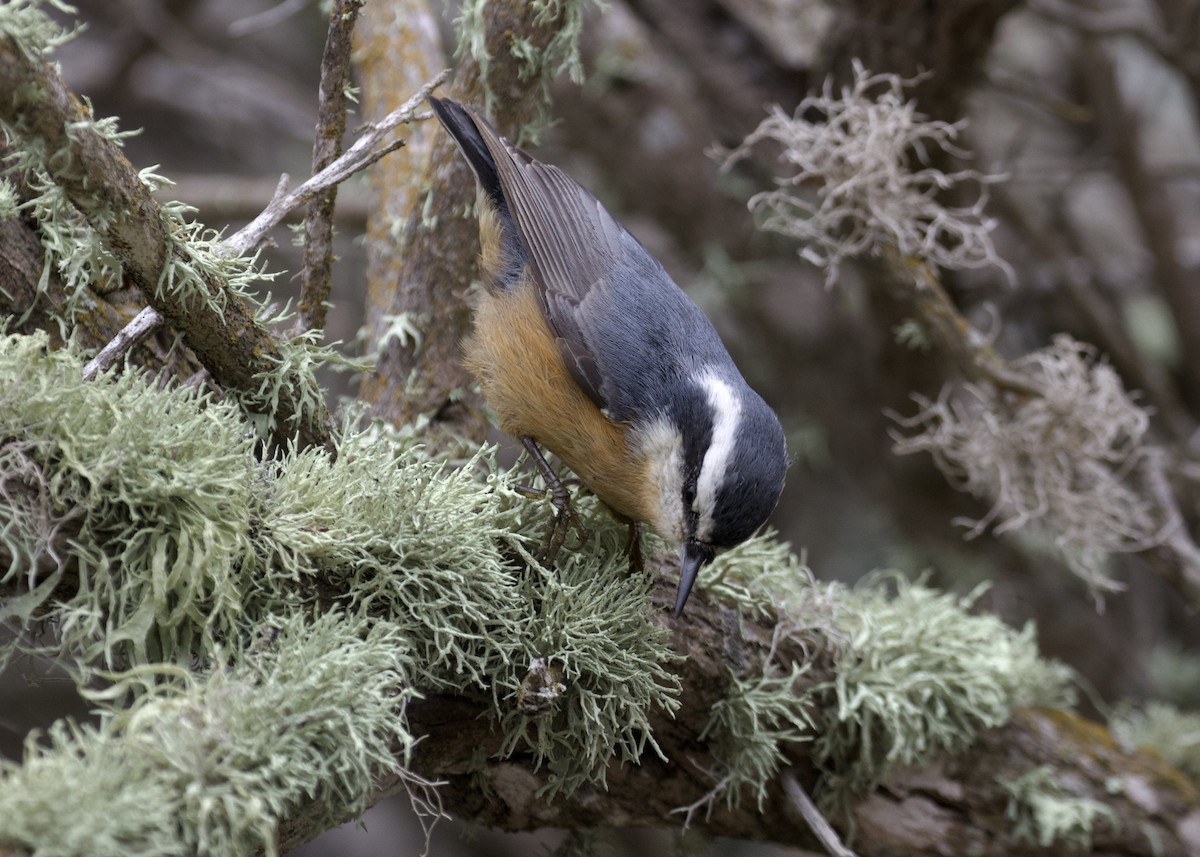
x: 316, y: 266
x: 367, y: 149
x: 139, y: 329
x: 950, y: 805
x: 424, y: 275
x: 108, y: 191
x: 915, y: 286
x: 1121, y: 129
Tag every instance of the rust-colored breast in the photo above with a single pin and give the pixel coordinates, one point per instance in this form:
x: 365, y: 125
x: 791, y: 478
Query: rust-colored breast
x: 516, y: 361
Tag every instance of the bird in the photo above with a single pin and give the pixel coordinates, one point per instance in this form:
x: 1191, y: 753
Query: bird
x: 583, y: 344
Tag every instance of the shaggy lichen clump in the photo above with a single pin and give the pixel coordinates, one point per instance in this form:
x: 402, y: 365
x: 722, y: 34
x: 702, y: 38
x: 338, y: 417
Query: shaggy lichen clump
x: 209, y: 765
x: 141, y: 495
x: 139, y: 523
x: 915, y: 673
x: 866, y: 157
x: 919, y: 674
x: 1066, y: 462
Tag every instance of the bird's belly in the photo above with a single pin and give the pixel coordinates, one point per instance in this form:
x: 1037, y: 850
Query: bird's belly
x: 513, y: 355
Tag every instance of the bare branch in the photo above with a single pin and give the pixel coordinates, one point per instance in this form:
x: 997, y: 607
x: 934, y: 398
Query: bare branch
x: 316, y: 267
x: 1184, y: 555
x: 1122, y: 130
x: 916, y: 285
x: 367, y: 149
x: 138, y: 330
x: 813, y: 817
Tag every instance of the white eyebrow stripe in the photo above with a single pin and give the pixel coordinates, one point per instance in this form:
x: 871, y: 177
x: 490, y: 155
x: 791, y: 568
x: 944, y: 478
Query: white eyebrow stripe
x: 727, y: 414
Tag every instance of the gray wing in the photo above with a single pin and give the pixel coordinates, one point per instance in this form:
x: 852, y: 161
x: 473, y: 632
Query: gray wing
x: 621, y: 323
x: 574, y: 247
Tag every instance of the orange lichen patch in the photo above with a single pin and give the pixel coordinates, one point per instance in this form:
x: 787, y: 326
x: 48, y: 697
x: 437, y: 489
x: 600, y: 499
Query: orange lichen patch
x: 1089, y: 746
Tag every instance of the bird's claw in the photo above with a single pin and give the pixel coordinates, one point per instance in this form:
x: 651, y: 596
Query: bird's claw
x: 565, y: 518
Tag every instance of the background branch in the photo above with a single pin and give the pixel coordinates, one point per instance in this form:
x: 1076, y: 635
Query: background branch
x: 316, y: 268
x: 438, y: 245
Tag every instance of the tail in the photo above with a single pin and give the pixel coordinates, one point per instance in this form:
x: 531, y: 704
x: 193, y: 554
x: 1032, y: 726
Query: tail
x: 462, y: 127
x: 503, y: 256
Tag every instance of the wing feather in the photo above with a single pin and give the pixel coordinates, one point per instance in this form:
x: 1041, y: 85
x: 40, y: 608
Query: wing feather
x: 573, y: 245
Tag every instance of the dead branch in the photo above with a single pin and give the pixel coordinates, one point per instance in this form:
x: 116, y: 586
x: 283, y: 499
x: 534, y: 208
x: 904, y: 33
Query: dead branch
x: 316, y: 267
x: 367, y: 149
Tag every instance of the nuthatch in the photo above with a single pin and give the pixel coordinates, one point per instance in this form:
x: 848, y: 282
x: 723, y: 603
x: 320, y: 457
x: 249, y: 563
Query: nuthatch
x: 584, y: 344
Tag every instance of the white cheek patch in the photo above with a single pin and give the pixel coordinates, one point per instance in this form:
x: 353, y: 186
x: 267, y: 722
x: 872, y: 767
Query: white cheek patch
x: 663, y: 447
x: 726, y: 413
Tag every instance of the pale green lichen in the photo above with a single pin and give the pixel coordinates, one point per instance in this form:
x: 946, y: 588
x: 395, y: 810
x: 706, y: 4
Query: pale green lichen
x: 141, y: 494
x: 402, y: 536
x: 762, y: 576
x: 914, y: 674
x: 196, y: 256
x: 589, y: 618
x: 1163, y: 728
x: 918, y: 674
x: 1044, y: 813
x: 210, y: 765
x: 185, y: 547
x: 406, y: 329
x: 31, y: 27
x: 71, y: 243
x: 1174, y: 675
x: 750, y: 728
x: 199, y: 269
x: 539, y: 64
x: 291, y: 377
x: 71, y: 248
x: 9, y: 201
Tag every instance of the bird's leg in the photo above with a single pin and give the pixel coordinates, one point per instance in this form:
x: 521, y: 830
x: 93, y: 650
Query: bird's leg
x: 633, y: 545
x: 566, y: 517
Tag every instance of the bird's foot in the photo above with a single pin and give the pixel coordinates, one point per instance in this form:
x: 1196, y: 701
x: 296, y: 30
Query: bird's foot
x: 565, y: 519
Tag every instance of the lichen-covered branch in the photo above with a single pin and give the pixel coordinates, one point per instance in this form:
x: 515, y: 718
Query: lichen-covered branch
x: 217, y: 325
x: 1052, y: 439
x: 334, y: 605
x: 369, y: 148
x: 946, y: 804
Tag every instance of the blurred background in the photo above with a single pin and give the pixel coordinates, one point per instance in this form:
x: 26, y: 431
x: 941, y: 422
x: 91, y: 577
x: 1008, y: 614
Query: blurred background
x: 1088, y: 110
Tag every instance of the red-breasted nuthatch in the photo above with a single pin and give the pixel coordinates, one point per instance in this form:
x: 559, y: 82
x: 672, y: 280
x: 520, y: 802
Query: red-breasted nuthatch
x: 584, y: 344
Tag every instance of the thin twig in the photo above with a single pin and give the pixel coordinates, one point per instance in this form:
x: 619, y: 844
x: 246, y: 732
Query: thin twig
x: 316, y: 267
x: 1177, y: 540
x: 812, y: 816
x: 1123, y: 130
x: 129, y: 337
x: 267, y: 18
x: 91, y: 169
x: 367, y: 149
x: 917, y: 284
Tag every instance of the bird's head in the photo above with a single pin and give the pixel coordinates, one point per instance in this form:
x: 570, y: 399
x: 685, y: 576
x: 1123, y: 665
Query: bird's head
x: 720, y: 465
